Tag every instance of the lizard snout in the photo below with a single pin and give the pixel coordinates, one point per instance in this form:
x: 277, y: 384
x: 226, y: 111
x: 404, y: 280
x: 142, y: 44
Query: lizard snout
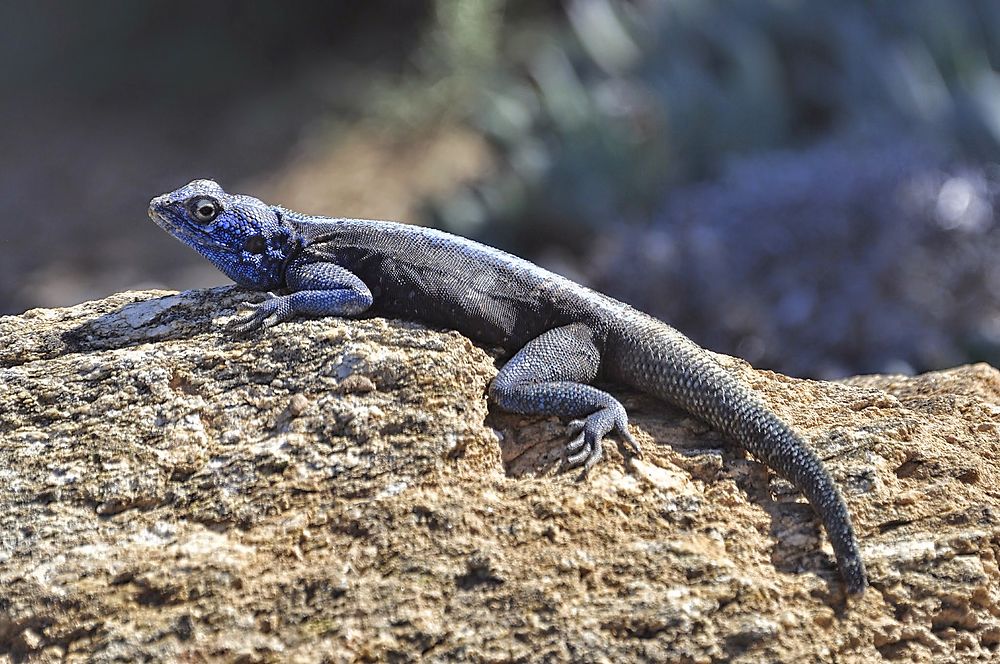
x: 158, y: 203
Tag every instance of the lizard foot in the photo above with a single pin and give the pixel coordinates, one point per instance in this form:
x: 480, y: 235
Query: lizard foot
x: 587, y: 447
x: 260, y: 315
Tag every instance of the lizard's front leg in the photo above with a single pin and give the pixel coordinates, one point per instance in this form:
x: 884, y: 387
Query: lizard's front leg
x: 549, y: 376
x: 318, y: 289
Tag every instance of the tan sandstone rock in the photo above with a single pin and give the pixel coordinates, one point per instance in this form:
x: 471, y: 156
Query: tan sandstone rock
x: 336, y: 491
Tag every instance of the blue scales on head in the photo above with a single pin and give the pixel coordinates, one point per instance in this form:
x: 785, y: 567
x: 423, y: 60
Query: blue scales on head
x: 241, y: 235
x: 260, y: 247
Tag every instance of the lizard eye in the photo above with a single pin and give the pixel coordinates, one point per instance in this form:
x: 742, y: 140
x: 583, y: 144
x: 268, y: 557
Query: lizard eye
x: 204, y: 209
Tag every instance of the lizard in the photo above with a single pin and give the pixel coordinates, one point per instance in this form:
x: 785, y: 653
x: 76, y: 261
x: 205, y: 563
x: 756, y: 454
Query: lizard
x: 562, y: 335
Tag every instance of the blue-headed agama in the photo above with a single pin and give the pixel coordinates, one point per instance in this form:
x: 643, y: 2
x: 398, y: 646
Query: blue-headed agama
x: 563, y: 336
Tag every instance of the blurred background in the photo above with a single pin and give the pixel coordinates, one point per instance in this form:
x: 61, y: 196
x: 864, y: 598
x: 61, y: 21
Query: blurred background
x: 811, y: 185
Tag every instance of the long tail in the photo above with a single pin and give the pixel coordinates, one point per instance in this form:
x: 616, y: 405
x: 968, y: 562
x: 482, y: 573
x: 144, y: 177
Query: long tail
x: 675, y: 369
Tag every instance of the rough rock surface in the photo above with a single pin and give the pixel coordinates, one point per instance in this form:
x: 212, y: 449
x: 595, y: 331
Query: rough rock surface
x: 337, y: 491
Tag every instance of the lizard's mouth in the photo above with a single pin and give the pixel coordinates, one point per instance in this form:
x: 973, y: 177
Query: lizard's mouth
x: 167, y: 219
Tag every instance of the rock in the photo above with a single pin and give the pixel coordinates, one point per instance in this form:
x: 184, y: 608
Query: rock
x: 337, y: 490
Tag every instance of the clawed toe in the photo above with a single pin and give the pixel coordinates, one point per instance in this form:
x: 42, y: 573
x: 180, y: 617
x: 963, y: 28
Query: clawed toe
x: 630, y: 443
x: 258, y: 316
x: 244, y: 325
x: 586, y: 448
x: 584, y: 455
x: 576, y: 428
x: 249, y: 323
x: 587, y: 445
x: 254, y: 306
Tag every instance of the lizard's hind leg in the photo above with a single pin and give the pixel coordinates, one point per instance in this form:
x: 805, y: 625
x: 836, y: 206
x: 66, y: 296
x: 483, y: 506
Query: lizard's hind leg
x: 549, y: 376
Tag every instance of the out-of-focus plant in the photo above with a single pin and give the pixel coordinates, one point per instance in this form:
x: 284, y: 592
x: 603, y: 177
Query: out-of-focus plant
x: 456, y: 53
x: 859, y: 254
x: 596, y: 110
x: 830, y: 133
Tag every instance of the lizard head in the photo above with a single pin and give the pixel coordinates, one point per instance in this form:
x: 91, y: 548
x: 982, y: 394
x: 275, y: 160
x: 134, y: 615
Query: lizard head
x: 242, y: 236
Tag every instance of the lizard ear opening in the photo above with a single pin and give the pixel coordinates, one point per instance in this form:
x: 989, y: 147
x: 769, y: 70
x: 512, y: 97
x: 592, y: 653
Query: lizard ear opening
x: 255, y: 244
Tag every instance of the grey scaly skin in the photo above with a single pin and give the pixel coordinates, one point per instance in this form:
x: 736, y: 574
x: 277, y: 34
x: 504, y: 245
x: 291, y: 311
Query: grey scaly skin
x: 563, y: 335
